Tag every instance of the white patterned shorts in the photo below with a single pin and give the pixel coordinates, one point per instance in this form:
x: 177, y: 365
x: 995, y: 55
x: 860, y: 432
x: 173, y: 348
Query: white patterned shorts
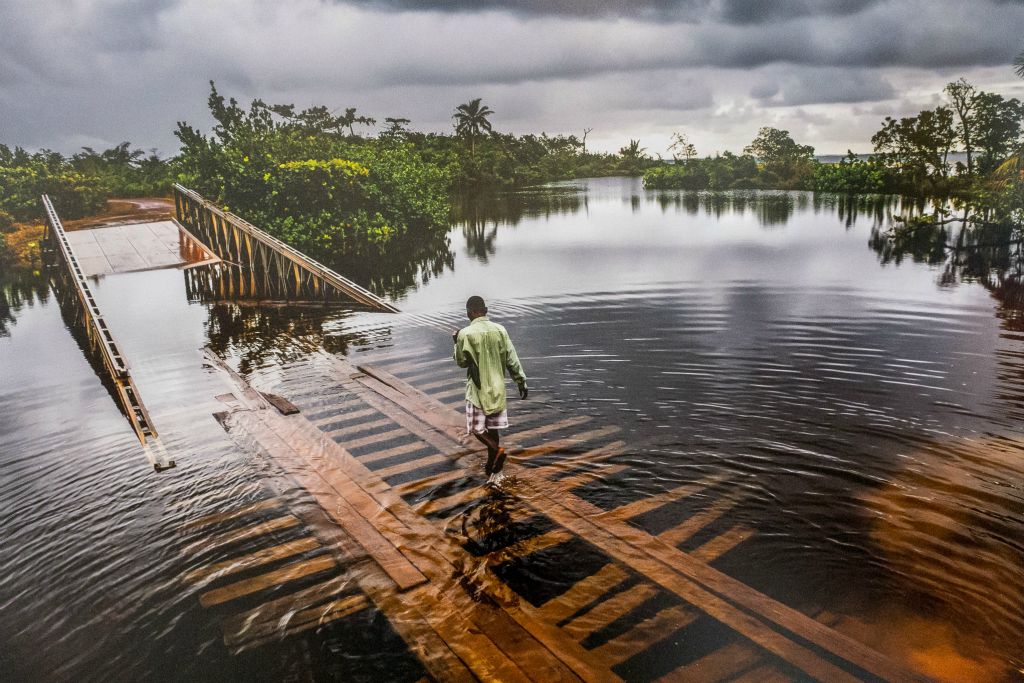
x: 478, y: 422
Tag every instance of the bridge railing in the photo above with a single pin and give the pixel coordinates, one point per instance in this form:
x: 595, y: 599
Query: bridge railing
x: 281, y: 269
x: 101, y: 340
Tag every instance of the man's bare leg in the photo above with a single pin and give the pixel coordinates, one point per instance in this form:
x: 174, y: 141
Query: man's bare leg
x: 495, y: 452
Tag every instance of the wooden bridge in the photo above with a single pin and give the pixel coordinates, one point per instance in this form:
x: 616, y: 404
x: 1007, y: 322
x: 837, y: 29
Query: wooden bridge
x: 537, y: 582
x: 532, y: 583
x: 245, y: 261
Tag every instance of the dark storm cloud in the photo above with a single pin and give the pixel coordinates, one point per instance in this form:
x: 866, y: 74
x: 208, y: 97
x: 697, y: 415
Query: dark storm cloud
x: 96, y: 72
x: 727, y: 11
x: 821, y: 86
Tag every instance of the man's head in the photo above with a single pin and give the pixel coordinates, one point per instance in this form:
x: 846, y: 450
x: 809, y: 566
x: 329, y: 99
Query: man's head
x: 475, y: 307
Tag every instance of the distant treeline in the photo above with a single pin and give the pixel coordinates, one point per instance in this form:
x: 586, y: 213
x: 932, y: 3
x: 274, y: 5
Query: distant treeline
x: 310, y: 177
x: 911, y: 154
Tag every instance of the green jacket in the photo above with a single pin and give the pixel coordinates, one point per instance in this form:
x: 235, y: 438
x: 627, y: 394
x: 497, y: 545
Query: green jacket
x: 488, y: 346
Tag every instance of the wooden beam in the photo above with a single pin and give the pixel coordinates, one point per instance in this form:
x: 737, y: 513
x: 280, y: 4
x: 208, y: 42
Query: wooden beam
x: 261, y: 633
x: 237, y: 536
x: 609, y: 610
x: 646, y: 633
x: 260, y: 557
x: 269, y: 580
x: 694, y: 523
x: 583, y: 593
x: 231, y: 515
x: 723, y: 543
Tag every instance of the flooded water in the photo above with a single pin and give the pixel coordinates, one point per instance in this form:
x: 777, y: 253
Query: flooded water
x: 857, y: 401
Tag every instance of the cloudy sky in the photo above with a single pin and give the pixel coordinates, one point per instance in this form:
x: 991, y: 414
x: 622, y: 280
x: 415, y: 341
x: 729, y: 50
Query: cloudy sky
x: 95, y: 72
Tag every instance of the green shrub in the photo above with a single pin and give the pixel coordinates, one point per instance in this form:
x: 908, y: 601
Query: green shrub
x: 73, y: 194
x: 851, y: 175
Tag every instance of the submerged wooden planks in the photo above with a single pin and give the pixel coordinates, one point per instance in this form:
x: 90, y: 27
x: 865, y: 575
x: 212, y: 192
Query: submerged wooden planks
x: 559, y: 635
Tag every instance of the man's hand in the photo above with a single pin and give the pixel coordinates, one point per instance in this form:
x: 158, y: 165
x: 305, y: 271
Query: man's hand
x: 523, y: 390
x: 455, y: 337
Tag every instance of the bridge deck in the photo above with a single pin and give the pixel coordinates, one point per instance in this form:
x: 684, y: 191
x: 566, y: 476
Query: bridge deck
x: 137, y: 246
x: 453, y: 566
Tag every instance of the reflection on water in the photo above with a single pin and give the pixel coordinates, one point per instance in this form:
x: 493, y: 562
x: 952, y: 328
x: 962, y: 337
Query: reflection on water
x: 855, y: 394
x: 255, y: 336
x: 19, y: 289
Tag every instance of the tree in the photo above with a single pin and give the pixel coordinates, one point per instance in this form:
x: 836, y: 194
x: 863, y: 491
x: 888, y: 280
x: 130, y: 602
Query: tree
x: 350, y: 119
x: 774, y: 146
x: 633, y: 151
x: 471, y: 121
x: 965, y: 101
x: 1018, y: 65
x: 917, y: 146
x: 682, y: 147
x: 586, y: 132
x: 998, y: 128
x: 396, y: 127
x: 786, y: 164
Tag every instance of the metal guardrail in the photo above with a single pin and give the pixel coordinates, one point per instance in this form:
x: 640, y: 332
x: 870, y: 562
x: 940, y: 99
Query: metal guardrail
x: 283, y: 268
x: 96, y: 330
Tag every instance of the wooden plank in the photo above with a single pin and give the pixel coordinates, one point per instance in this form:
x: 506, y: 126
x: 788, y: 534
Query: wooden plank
x: 331, y: 489
x: 584, y: 478
x: 582, y: 594
x: 283, y: 405
x: 260, y: 557
x: 723, y: 664
x: 551, y: 640
x: 434, y: 481
x: 375, y: 438
x: 250, y: 532
x: 644, y: 505
x: 609, y: 610
x: 570, y: 442
x: 646, y: 633
x: 278, y: 609
x: 411, y: 465
x: 763, y: 674
x: 214, y: 498
x: 356, y: 428
x: 230, y: 515
x: 344, y: 417
x: 529, y: 546
x: 464, y: 496
x: 548, y: 428
x: 726, y: 599
x: 676, y: 572
x: 521, y: 646
x: 269, y: 580
x: 261, y: 633
x: 698, y: 521
x: 723, y: 543
x: 392, y: 452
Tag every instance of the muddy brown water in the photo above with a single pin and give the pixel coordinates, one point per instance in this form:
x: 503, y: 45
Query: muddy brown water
x: 862, y: 403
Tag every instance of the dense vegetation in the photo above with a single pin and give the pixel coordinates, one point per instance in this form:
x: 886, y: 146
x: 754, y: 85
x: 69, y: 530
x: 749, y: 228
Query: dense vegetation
x: 310, y: 177
x: 911, y: 157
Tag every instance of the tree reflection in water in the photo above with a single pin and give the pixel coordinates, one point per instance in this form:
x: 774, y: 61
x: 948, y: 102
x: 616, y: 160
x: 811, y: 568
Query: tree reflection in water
x: 256, y: 334
x: 19, y: 289
x: 987, y: 254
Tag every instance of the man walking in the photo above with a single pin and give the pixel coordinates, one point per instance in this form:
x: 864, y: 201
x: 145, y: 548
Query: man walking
x: 485, y: 350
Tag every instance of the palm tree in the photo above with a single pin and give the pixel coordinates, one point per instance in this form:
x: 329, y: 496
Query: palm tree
x: 471, y: 120
x: 1018, y: 65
